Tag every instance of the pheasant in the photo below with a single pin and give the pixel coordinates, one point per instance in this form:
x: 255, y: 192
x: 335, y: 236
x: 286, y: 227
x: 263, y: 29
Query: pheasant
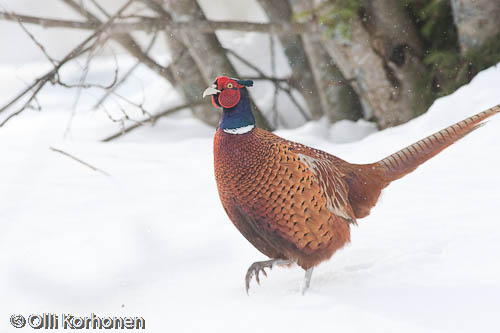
x: 294, y: 203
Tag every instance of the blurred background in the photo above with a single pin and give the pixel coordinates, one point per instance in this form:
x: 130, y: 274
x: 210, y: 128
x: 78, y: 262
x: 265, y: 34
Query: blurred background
x: 380, y: 63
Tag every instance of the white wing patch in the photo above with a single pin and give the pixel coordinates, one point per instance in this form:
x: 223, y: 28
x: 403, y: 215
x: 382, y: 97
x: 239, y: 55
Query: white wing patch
x: 329, y: 179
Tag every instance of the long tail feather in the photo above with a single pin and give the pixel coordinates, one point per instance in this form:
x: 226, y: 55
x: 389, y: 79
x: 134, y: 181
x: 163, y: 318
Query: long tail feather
x: 366, y: 181
x: 408, y: 159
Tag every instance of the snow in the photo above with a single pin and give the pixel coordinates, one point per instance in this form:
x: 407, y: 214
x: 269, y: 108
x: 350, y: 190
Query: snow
x: 152, y: 239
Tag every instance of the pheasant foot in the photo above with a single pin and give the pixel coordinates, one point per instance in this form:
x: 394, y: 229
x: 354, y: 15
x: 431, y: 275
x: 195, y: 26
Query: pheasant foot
x: 257, y: 267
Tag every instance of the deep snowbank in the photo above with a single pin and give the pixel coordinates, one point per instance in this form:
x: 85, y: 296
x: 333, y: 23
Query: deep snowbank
x: 153, y: 240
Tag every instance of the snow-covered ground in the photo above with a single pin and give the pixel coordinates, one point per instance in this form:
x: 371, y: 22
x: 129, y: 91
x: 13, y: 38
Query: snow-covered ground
x: 152, y: 239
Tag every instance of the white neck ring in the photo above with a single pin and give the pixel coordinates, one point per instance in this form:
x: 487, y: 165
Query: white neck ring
x: 239, y: 130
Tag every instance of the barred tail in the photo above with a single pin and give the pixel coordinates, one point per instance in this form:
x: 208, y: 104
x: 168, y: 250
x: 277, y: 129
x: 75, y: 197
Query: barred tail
x: 408, y: 159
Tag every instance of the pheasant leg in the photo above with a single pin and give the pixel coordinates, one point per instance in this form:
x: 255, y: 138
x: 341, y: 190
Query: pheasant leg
x: 257, y: 267
x: 307, y: 280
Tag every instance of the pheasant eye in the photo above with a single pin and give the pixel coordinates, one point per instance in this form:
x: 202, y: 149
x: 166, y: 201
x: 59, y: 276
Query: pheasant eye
x: 229, y: 85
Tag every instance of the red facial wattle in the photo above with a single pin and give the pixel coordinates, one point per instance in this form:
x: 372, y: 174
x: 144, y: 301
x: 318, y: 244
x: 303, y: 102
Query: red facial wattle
x: 228, y: 98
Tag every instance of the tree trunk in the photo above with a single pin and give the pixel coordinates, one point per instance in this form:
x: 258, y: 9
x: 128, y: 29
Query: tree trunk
x: 191, y: 81
x: 476, y: 21
x: 383, y: 60
x: 338, y: 99
x: 392, y: 31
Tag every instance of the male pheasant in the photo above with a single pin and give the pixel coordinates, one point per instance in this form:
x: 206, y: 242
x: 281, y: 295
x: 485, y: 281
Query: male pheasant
x: 296, y: 204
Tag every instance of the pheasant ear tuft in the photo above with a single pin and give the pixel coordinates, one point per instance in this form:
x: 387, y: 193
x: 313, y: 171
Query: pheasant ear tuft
x: 246, y: 83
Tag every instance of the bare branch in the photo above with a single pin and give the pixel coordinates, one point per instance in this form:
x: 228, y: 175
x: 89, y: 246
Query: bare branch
x: 269, y: 78
x: 49, y: 76
x: 79, y: 160
x: 152, y: 119
x: 261, y: 74
x: 205, y: 26
x: 246, y: 62
x: 48, y: 22
x: 151, y: 23
x: 22, y: 93
x: 127, y: 42
x: 40, y: 84
x: 303, y: 112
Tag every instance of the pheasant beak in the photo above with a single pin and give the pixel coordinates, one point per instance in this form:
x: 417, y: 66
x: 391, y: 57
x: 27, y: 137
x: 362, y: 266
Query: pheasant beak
x: 212, y: 90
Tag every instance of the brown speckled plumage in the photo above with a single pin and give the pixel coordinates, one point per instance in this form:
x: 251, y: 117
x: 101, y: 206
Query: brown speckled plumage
x: 277, y: 201
x: 297, y: 203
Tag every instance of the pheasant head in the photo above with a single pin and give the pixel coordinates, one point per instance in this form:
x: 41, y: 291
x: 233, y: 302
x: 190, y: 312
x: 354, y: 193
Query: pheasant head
x: 232, y: 96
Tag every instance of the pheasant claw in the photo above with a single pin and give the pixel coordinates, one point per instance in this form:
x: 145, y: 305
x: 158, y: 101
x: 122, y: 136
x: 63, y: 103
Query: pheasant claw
x: 257, y: 267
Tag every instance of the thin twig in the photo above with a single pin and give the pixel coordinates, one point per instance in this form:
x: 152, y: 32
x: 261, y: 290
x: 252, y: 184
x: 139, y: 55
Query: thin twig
x: 80, y: 161
x: 22, y: 93
x: 30, y: 35
x: 126, y: 75
x: 140, y: 105
x: 25, y: 105
x: 283, y: 80
x: 245, y: 62
x: 101, y: 9
x: 303, y: 112
x: 82, y: 85
x: 152, y: 119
